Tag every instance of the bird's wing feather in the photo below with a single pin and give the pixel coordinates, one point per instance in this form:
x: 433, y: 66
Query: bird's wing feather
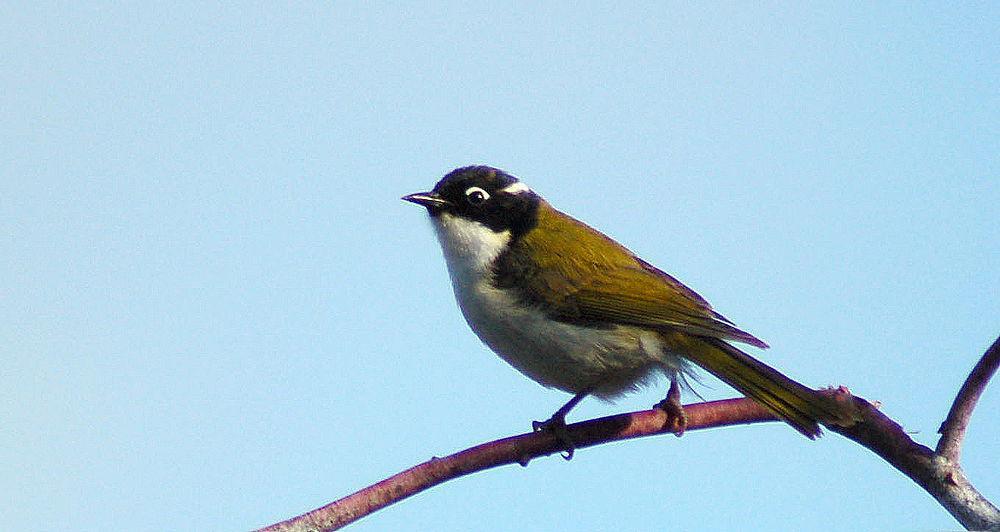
x: 602, y: 284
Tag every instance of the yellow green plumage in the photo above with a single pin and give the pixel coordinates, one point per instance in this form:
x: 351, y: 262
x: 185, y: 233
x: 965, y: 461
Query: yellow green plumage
x: 575, y: 310
x: 577, y: 274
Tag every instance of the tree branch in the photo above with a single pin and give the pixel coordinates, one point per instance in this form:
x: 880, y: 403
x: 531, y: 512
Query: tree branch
x: 936, y: 472
x: 953, y: 429
x: 940, y: 476
x: 516, y: 450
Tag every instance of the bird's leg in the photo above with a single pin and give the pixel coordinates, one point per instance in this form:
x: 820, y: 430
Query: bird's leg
x: 557, y: 424
x: 676, y: 418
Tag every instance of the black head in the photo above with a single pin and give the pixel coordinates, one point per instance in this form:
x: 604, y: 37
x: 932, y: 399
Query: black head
x: 483, y: 194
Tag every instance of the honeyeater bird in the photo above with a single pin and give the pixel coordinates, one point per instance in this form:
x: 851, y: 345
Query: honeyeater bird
x: 574, y: 310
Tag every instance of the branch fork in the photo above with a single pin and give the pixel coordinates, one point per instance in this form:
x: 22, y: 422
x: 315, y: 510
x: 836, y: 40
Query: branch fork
x: 936, y: 471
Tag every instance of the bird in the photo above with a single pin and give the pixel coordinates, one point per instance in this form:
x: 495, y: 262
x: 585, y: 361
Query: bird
x: 574, y: 310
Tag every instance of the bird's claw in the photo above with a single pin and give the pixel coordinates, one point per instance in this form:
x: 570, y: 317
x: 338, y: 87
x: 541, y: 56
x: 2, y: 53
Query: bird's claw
x: 557, y: 426
x: 676, y: 417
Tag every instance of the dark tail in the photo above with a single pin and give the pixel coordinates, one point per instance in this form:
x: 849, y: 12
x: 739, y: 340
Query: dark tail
x: 801, y: 407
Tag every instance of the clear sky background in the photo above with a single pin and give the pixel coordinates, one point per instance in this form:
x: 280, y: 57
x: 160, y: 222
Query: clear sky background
x: 216, y: 313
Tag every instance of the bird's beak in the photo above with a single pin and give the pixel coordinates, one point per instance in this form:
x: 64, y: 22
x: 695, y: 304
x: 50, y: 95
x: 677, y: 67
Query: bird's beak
x: 431, y: 200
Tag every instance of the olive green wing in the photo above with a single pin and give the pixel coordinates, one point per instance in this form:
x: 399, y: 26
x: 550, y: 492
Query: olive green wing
x: 636, y: 296
x: 578, y: 275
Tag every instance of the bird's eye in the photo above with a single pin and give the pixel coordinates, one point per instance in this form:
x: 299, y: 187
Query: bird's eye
x: 476, y: 195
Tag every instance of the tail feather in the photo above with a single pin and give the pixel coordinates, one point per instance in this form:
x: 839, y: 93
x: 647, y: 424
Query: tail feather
x: 801, y: 407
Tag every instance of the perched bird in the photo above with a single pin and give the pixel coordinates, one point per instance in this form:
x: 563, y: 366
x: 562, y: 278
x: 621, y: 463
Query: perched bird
x: 574, y: 310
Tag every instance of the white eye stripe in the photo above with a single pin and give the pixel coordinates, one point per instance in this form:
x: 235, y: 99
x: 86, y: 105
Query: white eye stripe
x: 476, y: 195
x: 516, y: 188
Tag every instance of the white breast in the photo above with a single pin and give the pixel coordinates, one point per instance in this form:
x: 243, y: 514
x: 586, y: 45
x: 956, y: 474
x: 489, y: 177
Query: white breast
x: 469, y: 247
x: 555, y: 354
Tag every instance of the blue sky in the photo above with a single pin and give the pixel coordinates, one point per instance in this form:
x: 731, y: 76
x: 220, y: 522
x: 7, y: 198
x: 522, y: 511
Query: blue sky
x: 217, y: 313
